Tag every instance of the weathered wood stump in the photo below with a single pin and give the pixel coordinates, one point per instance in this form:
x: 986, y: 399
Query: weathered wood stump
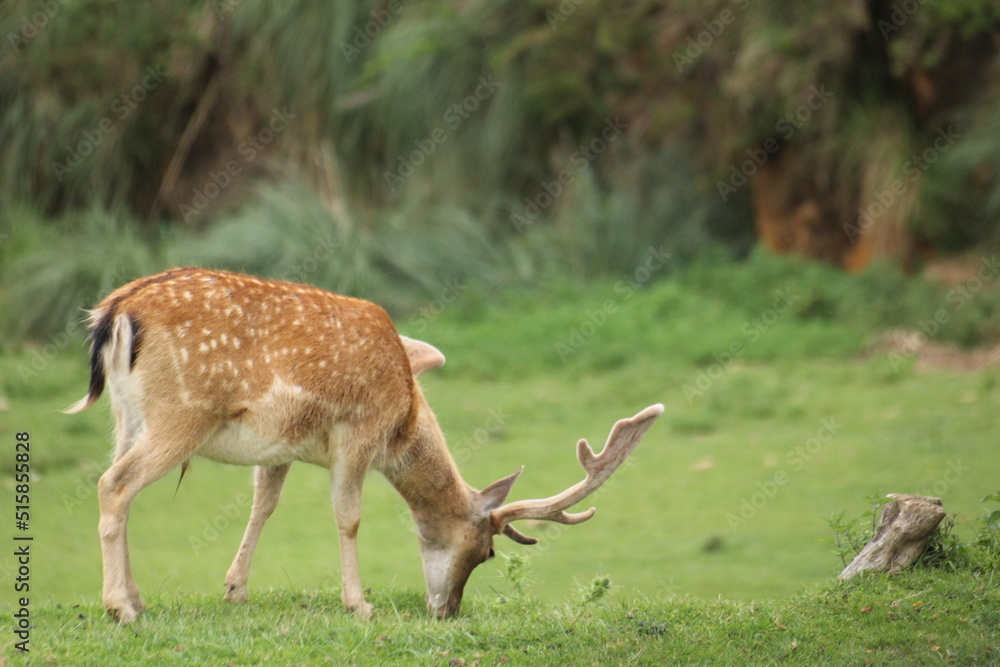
x: 906, y: 526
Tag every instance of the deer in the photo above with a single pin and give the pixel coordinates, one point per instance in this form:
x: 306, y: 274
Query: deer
x: 258, y: 372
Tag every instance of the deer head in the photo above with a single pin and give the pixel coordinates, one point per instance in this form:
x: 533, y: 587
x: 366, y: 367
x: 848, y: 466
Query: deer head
x: 454, y: 543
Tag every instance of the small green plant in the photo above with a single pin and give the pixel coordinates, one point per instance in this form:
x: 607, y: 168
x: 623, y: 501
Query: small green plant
x: 515, y: 573
x: 588, y: 596
x: 851, y: 536
x: 595, y: 591
x: 988, y: 541
x: 946, y: 549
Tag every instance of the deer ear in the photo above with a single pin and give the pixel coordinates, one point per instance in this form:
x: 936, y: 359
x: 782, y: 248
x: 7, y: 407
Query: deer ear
x: 493, y: 495
x: 423, y: 356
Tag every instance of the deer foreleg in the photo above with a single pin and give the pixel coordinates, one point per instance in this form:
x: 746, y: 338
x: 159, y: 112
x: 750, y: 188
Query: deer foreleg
x: 346, y: 483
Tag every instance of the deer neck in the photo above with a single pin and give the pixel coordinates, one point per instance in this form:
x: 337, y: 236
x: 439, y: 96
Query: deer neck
x: 425, y: 474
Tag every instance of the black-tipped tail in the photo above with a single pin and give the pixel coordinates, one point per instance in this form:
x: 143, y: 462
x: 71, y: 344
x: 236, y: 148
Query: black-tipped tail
x: 101, y: 331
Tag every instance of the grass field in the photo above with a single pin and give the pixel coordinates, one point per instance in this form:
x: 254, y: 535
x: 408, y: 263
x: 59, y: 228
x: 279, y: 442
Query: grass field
x: 912, y: 619
x: 774, y: 421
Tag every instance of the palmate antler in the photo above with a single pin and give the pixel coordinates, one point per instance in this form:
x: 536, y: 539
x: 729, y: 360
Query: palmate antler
x: 624, y: 436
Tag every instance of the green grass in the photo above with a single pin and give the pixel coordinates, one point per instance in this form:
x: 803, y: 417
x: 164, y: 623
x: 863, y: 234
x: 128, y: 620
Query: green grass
x: 900, y: 432
x: 697, y: 515
x: 918, y: 618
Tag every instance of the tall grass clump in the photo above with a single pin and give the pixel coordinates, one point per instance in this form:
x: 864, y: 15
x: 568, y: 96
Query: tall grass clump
x: 68, y: 264
x: 430, y: 144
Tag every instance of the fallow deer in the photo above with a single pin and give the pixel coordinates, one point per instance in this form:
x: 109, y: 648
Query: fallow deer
x: 259, y: 372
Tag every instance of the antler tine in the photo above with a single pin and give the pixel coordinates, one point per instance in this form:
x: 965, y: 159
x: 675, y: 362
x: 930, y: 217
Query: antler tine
x: 624, y: 436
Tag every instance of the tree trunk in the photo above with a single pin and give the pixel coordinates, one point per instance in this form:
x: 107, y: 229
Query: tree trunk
x: 907, y: 524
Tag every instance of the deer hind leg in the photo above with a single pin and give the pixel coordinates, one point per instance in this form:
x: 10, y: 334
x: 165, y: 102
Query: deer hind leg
x: 347, y: 478
x: 126, y: 431
x: 267, y: 488
x: 152, y: 455
x: 128, y: 426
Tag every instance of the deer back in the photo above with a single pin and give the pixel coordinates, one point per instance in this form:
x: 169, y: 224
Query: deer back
x: 289, y: 361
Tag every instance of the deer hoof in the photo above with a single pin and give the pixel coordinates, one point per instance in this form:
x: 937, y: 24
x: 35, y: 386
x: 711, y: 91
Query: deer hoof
x: 361, y: 609
x: 236, y: 594
x: 125, y: 613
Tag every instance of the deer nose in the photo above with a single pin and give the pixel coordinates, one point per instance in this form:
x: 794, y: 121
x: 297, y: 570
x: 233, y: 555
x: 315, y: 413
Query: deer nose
x: 441, y: 608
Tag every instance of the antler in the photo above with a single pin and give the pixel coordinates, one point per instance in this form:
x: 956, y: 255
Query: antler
x: 624, y: 436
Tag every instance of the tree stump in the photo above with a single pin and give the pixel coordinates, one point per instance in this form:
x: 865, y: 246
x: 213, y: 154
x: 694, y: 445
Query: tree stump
x: 906, y: 526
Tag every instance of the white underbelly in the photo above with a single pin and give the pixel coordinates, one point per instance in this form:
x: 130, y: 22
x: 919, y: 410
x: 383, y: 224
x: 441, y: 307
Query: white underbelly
x: 240, y: 444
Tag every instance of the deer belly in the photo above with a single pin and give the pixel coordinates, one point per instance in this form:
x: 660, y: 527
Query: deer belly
x: 241, y: 444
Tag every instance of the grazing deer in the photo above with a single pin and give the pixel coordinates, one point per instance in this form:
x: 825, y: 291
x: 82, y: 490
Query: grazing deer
x: 261, y: 372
